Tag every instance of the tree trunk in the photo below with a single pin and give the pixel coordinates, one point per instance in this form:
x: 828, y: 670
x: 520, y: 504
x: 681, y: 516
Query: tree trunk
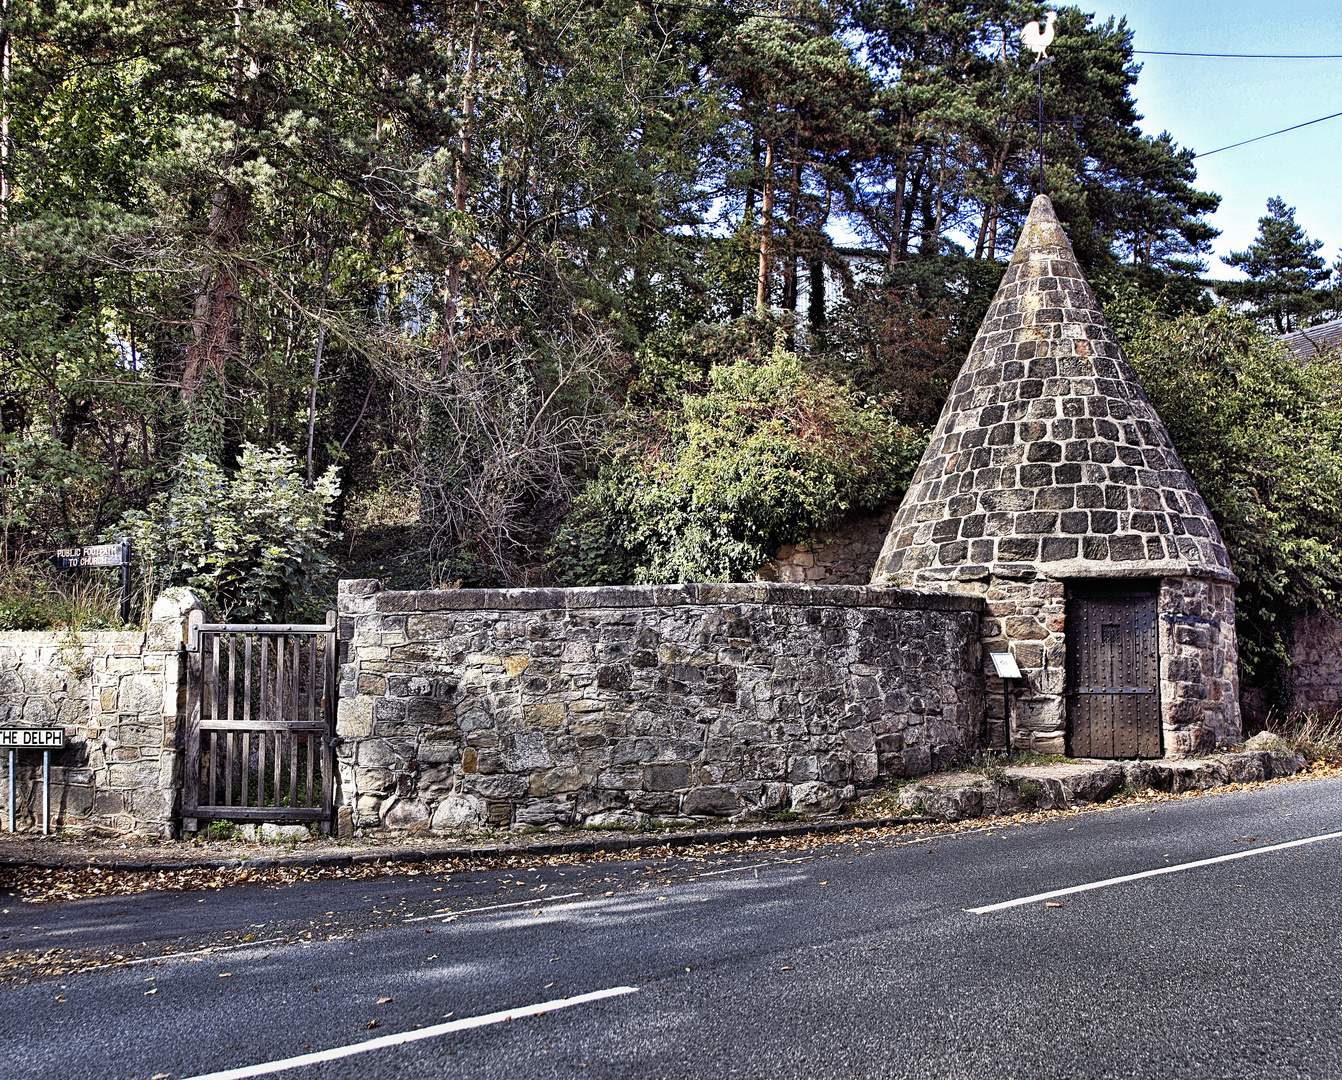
x: 317, y: 359
x: 905, y: 225
x: 941, y: 188
x: 766, y: 223
x: 790, y: 267
x: 815, y: 302
x: 215, y: 336
x: 990, y: 210
x: 214, y: 320
x: 897, y: 211
x: 452, y: 293
x: 6, y: 63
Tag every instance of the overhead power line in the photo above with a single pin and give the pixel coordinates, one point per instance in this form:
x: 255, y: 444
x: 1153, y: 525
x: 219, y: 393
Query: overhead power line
x: 1242, y: 56
x: 1260, y: 138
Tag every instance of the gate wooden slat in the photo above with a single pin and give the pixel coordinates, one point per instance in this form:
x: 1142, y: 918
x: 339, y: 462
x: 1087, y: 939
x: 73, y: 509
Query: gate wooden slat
x: 294, y: 712
x: 245, y: 767
x: 232, y: 674
x: 247, y: 677
x: 261, y: 739
x: 228, y: 769
x: 263, y: 702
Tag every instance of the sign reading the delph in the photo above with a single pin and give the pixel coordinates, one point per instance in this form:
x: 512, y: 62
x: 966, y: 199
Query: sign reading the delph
x: 32, y: 738
x: 94, y: 555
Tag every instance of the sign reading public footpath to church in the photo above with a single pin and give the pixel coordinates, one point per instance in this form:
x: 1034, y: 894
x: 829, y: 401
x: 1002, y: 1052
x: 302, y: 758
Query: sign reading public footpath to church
x: 95, y: 555
x: 32, y: 738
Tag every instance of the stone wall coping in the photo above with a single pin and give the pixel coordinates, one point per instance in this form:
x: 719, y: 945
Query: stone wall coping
x: 649, y: 596
x: 61, y: 638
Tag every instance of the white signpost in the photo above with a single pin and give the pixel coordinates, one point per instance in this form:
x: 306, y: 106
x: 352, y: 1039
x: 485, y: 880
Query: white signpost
x: 1006, y: 668
x: 102, y: 555
x: 44, y: 739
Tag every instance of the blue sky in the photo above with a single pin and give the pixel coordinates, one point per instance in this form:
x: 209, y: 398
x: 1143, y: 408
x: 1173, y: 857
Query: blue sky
x: 1208, y: 103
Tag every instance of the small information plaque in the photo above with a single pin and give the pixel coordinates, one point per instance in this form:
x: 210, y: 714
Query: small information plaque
x: 1005, y: 665
x: 35, y: 738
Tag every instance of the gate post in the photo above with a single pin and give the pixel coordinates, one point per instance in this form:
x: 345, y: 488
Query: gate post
x: 171, y: 619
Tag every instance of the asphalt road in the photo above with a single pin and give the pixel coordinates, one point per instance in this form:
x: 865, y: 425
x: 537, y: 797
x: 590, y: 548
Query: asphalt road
x: 858, y: 959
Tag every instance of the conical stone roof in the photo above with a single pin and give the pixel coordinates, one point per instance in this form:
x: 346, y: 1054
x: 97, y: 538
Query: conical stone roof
x: 1048, y: 458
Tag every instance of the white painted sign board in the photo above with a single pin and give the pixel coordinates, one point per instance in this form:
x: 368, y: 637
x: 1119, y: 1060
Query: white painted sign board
x: 1006, y: 666
x: 95, y: 555
x: 32, y: 738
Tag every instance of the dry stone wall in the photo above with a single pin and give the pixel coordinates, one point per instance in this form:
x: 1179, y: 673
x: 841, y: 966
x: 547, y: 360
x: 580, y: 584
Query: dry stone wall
x: 844, y: 555
x: 117, y: 694
x: 1314, y: 679
x: 1316, y: 664
x: 531, y: 707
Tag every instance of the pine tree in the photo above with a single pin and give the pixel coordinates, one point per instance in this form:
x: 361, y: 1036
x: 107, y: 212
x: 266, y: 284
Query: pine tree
x: 1284, y: 272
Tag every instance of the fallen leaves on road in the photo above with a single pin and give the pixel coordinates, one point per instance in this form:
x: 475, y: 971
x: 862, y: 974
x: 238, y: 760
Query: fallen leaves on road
x: 45, y: 886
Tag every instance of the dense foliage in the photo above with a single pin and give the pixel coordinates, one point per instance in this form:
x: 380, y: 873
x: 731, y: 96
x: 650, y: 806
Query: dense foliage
x: 1261, y: 435
x: 709, y: 490
x: 475, y: 254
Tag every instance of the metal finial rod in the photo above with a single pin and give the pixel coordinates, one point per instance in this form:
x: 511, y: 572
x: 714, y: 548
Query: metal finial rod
x: 1038, y: 69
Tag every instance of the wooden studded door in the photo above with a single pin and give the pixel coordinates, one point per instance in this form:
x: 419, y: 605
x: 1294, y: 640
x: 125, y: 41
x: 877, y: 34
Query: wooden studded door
x: 1113, y: 684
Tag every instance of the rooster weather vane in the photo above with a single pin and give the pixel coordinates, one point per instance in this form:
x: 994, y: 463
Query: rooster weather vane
x: 1039, y: 40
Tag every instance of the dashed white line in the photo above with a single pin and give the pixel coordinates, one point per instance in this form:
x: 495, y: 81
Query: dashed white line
x: 1157, y: 872
x: 165, y: 957
x: 493, y: 907
x: 385, y: 1041
x: 752, y: 866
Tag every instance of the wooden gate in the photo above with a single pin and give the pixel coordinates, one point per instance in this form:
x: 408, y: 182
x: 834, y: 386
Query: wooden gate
x: 260, y: 713
x: 1113, y: 684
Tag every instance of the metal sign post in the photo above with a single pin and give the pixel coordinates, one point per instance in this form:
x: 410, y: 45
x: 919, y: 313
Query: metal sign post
x: 44, y: 739
x: 1006, y: 668
x: 103, y: 556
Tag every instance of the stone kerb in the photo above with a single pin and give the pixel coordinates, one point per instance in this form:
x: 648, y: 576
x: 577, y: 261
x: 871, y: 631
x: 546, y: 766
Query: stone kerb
x: 531, y: 707
x: 117, y: 694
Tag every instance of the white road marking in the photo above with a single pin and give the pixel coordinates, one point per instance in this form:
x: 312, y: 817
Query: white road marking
x: 752, y: 866
x: 163, y: 958
x: 493, y: 907
x: 1158, y: 872
x: 385, y: 1041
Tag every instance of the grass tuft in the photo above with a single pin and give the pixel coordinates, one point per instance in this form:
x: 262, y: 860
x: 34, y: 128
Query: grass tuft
x: 1311, y: 736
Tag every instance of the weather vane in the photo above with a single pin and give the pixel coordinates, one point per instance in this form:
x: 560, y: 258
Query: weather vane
x: 1039, y: 40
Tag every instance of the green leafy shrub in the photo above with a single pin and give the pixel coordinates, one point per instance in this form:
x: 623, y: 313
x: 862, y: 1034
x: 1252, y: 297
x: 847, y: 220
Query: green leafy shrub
x: 1261, y: 434
x: 19, y: 612
x: 709, y: 491
x: 252, y: 544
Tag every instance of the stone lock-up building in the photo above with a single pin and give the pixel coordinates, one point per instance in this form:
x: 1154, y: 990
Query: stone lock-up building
x: 1051, y: 489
